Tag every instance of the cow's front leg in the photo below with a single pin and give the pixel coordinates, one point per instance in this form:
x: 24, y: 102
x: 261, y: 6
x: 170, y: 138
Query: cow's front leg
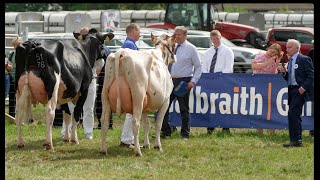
x: 136, y: 126
x: 146, y: 126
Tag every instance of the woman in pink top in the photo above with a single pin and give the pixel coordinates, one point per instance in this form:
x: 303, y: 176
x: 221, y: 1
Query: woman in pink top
x: 267, y: 63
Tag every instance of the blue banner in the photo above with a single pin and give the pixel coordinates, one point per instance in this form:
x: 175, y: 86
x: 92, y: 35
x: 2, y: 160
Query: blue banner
x: 240, y: 101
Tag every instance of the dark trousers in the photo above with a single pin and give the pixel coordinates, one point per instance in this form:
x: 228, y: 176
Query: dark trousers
x: 184, y: 111
x: 12, y: 98
x: 296, y: 102
x: 98, y: 100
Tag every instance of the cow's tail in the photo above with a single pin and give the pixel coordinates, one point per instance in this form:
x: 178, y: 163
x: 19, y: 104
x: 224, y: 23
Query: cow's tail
x: 24, y: 102
x: 117, y: 64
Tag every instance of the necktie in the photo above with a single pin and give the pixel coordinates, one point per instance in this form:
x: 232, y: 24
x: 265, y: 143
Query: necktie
x: 289, y: 71
x: 214, y: 60
x: 175, y: 52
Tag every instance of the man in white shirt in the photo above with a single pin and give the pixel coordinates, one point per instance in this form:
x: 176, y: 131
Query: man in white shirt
x: 88, y: 107
x: 187, y: 68
x: 219, y: 58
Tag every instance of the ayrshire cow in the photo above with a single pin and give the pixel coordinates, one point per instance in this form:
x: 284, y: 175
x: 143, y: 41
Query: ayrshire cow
x: 138, y: 82
x: 54, y: 72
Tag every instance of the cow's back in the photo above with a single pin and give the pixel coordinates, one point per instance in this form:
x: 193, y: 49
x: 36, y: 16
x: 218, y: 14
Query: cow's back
x: 45, y: 59
x: 141, y: 74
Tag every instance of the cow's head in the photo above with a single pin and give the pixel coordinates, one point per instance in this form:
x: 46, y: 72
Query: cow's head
x: 93, y: 44
x: 166, y: 44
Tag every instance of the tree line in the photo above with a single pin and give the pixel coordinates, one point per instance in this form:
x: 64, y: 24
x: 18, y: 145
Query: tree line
x: 20, y: 7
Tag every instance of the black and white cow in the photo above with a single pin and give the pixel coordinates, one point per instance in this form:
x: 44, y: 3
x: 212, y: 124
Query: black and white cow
x: 55, y: 72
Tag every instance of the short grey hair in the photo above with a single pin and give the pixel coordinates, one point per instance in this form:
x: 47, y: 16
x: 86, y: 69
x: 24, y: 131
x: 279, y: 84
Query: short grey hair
x: 181, y: 28
x: 295, y: 42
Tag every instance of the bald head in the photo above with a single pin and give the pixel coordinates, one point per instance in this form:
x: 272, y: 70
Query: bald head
x: 84, y: 30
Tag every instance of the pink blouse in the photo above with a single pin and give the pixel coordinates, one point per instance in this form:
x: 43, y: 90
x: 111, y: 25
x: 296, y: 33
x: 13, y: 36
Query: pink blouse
x: 270, y: 69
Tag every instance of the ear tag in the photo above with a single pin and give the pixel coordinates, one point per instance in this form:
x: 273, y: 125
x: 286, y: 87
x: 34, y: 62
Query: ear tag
x: 80, y: 37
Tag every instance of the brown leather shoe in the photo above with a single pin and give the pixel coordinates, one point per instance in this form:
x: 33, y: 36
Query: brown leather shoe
x: 293, y: 144
x: 130, y: 146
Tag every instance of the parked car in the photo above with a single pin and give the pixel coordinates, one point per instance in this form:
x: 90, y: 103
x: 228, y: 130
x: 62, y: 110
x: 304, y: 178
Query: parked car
x: 304, y: 35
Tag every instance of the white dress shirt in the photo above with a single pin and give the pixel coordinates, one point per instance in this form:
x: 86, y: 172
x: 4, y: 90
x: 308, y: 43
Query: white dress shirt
x: 188, y: 62
x: 225, y: 59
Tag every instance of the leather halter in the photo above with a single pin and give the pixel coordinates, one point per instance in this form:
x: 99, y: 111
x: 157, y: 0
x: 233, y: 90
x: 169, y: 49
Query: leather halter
x: 165, y: 45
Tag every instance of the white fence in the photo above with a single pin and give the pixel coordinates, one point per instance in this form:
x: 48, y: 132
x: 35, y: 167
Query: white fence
x: 66, y: 21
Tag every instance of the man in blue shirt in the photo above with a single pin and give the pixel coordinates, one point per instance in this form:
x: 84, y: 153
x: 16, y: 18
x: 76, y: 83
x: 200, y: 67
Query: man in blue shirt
x: 133, y: 35
x: 187, y: 69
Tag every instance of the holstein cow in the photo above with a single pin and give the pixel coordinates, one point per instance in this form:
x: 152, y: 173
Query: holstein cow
x: 54, y: 72
x: 138, y: 82
x: 69, y: 108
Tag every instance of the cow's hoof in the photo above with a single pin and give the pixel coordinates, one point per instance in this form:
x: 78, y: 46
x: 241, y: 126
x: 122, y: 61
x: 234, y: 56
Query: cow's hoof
x: 138, y: 154
x: 74, y: 141
x: 104, y: 152
x: 20, y: 146
x: 158, y: 148
x: 146, y: 146
x: 66, y: 140
x: 48, y: 146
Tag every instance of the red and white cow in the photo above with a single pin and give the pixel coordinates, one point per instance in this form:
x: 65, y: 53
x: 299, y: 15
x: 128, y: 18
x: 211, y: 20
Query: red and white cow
x: 54, y: 72
x: 138, y: 82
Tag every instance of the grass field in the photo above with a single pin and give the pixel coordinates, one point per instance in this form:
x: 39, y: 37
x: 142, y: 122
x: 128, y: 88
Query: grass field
x: 243, y: 154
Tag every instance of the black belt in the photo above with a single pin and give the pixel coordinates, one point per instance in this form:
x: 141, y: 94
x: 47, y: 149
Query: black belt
x: 293, y: 86
x: 181, y: 78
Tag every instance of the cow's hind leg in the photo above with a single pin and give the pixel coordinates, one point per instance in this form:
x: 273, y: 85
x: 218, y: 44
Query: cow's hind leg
x: 49, y: 122
x: 67, y: 119
x: 146, y: 126
x: 52, y: 104
x: 105, y: 119
x: 161, y: 112
x: 23, y: 109
x: 136, y: 126
x: 74, y: 135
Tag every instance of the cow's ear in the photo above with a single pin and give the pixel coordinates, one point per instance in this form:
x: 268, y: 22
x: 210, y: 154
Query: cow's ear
x: 167, y: 37
x: 107, y: 37
x: 76, y: 35
x: 92, y: 31
x: 79, y: 36
x: 173, y: 38
x: 154, y: 39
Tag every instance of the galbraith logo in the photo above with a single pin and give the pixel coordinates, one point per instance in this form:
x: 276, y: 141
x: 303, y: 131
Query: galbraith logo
x: 249, y: 101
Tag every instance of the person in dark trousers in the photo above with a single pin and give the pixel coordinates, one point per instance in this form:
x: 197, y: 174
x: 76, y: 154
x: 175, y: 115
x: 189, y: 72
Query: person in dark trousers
x: 300, y: 78
x: 219, y: 58
x: 187, y: 70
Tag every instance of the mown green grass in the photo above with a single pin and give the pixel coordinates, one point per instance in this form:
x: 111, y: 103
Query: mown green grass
x: 243, y: 154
